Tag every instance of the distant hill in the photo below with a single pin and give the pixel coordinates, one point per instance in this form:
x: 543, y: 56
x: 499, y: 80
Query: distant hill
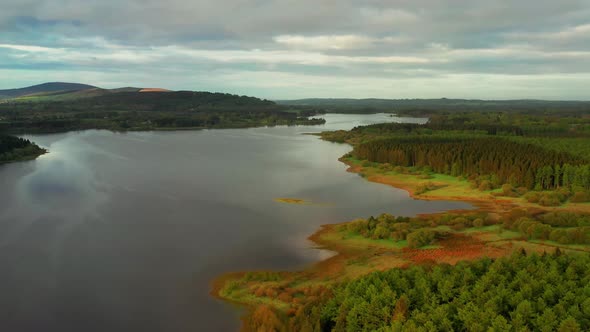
x: 83, y: 97
x: 134, y: 99
x: 142, y: 109
x: 172, y: 101
x: 71, y: 95
x: 44, y: 88
x: 372, y: 105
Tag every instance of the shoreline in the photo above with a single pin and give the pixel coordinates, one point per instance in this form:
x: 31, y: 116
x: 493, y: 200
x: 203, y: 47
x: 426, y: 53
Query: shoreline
x: 344, y: 251
x: 482, y: 204
x: 159, y: 129
x: 355, y: 257
x: 26, y: 158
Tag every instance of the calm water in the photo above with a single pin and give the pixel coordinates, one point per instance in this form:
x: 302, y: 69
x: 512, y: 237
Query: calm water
x: 124, y: 232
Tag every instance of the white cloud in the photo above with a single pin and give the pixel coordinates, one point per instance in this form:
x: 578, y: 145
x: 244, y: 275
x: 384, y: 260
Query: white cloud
x: 330, y: 42
x: 336, y: 42
x: 31, y: 48
x: 119, y: 53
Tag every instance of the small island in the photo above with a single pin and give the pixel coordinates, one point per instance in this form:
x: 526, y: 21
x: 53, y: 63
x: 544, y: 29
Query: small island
x: 291, y: 200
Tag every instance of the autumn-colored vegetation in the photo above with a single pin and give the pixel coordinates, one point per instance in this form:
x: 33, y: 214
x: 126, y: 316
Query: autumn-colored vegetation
x: 297, y: 299
x: 521, y: 262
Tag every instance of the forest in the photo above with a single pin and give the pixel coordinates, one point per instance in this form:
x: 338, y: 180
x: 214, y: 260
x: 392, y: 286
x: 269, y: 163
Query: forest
x: 548, y: 292
x: 148, y: 111
x: 519, y: 164
x: 15, y: 148
x: 543, y: 288
x: 519, y: 270
x: 547, y: 154
x: 518, y: 262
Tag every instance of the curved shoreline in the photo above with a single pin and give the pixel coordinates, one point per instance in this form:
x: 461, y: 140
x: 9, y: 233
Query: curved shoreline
x: 483, y: 204
x: 354, y: 258
x: 343, y: 252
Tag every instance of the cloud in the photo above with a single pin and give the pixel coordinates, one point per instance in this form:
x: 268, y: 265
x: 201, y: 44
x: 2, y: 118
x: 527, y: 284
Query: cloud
x: 29, y: 48
x: 343, y: 42
x: 331, y: 42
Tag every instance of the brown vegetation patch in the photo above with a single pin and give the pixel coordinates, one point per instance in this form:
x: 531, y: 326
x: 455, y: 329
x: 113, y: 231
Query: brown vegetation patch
x: 454, y: 248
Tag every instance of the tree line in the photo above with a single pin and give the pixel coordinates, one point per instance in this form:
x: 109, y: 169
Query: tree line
x: 516, y: 293
x: 15, y: 148
x: 560, y: 226
x: 149, y: 111
x: 520, y: 164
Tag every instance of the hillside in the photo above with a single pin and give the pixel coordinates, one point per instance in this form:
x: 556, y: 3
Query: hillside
x: 175, y: 101
x: 142, y: 109
x: 44, y: 88
x: 69, y: 95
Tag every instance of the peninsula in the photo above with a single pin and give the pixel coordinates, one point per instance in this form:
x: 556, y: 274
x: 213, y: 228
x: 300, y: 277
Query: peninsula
x: 507, y: 265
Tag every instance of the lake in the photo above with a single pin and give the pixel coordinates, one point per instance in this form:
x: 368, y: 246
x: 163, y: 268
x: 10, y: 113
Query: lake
x: 125, y: 231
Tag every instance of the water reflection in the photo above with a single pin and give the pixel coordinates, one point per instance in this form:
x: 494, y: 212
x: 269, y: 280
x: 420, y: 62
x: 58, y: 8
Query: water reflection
x: 123, y: 232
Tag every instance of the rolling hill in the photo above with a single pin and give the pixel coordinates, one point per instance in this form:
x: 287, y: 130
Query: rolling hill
x: 132, y: 108
x: 45, y: 88
x: 57, y: 92
x: 71, y: 95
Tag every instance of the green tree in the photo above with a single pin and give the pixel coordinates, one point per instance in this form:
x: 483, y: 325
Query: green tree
x: 569, y: 325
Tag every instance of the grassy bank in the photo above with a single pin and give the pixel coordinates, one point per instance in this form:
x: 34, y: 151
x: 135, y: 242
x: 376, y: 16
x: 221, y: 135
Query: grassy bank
x: 427, y: 186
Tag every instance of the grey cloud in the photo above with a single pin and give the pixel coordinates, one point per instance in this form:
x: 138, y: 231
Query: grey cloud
x: 321, y: 38
x: 256, y: 21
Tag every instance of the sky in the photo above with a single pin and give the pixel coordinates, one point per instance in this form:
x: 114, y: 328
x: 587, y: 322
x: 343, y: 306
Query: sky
x: 289, y: 49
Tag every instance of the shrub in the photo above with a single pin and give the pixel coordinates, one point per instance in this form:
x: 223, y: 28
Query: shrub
x: 551, y: 199
x: 462, y: 220
x: 427, y: 169
x: 485, y: 185
x: 425, y: 176
x: 356, y: 226
x: 580, y: 197
x: 521, y: 191
x: 532, y: 197
x: 381, y: 232
x: 386, y: 167
x: 424, y: 187
x: 565, y: 192
x: 508, y: 190
x: 492, y: 219
x: 420, y: 238
x: 458, y: 226
x: 478, y: 222
x: 285, y: 297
